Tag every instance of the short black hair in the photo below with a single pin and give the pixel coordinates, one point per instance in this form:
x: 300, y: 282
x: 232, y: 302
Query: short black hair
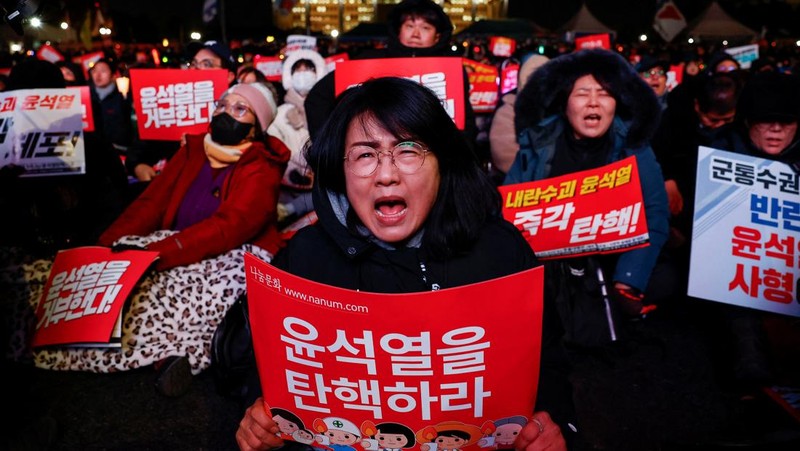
x: 466, y: 197
x: 304, y: 63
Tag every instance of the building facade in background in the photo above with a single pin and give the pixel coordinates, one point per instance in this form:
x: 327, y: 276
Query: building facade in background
x: 325, y: 16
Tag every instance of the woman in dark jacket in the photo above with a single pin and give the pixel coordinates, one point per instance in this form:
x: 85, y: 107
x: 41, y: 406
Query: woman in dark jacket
x: 403, y: 207
x: 585, y: 110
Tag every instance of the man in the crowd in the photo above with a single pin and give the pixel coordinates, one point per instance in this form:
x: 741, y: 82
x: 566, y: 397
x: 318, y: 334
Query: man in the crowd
x: 112, y: 111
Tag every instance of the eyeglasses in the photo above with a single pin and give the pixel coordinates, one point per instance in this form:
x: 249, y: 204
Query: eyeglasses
x: 407, y: 157
x: 237, y: 109
x: 203, y: 64
x: 653, y: 73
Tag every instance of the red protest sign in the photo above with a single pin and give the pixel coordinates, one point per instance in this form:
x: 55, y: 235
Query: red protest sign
x: 482, y: 86
x: 270, y: 66
x: 594, y: 41
x: 509, y: 76
x: 83, y: 297
x: 502, y: 46
x: 87, y: 119
x: 87, y: 61
x: 48, y: 53
x: 443, y: 75
x: 333, y: 60
x: 597, y: 211
x: 171, y: 102
x: 343, y: 360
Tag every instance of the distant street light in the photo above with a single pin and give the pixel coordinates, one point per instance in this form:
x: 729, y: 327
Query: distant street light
x: 334, y: 34
x: 643, y: 37
x: 691, y: 41
x: 36, y: 22
x: 64, y: 25
x: 195, y: 36
x: 105, y: 31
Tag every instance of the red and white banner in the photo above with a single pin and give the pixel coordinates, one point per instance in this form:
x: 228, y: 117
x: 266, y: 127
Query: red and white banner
x: 171, y: 102
x: 87, y: 119
x: 594, y: 41
x: 341, y: 365
x: 598, y: 211
x: 295, y: 42
x: 444, y: 76
x: 270, y: 66
x: 502, y: 46
x: 83, y: 297
x: 48, y: 53
x: 483, y: 81
x: 41, y: 130
x: 333, y: 60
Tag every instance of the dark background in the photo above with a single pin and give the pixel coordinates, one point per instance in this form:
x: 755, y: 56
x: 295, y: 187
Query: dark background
x: 152, y: 20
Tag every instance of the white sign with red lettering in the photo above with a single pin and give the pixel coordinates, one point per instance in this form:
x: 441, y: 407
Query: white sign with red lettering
x: 41, y: 130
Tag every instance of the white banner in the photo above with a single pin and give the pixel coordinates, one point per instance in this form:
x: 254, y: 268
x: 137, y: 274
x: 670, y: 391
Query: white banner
x: 41, y: 130
x: 744, y: 55
x: 746, y: 238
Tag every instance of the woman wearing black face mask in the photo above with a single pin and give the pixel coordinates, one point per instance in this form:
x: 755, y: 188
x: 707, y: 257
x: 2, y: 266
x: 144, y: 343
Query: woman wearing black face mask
x: 215, y: 200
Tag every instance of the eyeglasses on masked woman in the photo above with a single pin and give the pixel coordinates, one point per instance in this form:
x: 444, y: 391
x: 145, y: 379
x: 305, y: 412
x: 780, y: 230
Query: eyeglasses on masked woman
x: 407, y: 156
x: 235, y: 109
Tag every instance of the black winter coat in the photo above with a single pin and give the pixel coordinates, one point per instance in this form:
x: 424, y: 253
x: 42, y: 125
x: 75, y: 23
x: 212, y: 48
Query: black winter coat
x: 328, y: 253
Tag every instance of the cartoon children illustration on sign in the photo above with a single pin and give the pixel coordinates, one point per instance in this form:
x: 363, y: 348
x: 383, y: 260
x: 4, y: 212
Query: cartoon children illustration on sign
x: 448, y: 436
x: 303, y: 436
x: 337, y: 433
x: 288, y: 423
x: 501, y: 434
x: 387, y: 436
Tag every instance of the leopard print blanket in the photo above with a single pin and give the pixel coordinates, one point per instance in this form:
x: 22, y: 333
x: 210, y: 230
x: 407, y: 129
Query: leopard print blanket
x: 170, y: 313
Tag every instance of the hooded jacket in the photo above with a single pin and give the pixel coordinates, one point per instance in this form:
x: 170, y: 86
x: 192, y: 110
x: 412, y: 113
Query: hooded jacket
x: 322, y: 98
x: 247, y: 212
x: 540, y: 121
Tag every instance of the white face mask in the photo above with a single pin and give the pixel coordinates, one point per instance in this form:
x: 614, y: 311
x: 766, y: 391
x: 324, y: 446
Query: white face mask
x: 303, y: 81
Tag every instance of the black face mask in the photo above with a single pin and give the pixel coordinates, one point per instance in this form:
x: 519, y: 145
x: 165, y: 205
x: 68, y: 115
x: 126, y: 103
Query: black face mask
x: 228, y: 131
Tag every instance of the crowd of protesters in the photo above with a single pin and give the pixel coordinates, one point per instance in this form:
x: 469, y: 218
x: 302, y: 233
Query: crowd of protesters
x: 205, y: 200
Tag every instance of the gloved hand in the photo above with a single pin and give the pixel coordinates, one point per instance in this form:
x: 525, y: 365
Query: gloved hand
x: 629, y: 301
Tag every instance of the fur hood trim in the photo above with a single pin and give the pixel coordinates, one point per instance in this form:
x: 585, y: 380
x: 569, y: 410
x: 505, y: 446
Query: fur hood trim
x: 547, y: 91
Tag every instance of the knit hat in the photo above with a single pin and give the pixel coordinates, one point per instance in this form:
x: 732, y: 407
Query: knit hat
x: 223, y: 52
x: 770, y: 97
x: 260, y: 99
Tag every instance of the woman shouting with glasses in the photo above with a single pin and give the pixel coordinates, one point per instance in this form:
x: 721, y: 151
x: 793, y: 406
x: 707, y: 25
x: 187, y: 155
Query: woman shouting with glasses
x: 404, y: 206
x: 215, y: 200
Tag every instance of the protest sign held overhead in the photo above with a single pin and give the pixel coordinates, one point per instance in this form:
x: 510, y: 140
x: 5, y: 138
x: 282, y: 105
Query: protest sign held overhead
x: 483, y: 80
x: 353, y: 362
x: 171, y: 102
x: 442, y: 75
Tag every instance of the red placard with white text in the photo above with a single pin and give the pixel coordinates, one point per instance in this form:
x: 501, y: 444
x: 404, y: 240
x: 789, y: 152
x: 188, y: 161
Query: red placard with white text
x: 594, y: 41
x: 171, y: 102
x: 48, y: 53
x: 597, y: 211
x: 87, y: 61
x: 333, y: 60
x: 84, y: 294
x: 502, y: 46
x: 444, y: 76
x: 346, y: 362
x: 87, y: 119
x: 270, y: 66
x: 509, y: 76
x: 482, y: 86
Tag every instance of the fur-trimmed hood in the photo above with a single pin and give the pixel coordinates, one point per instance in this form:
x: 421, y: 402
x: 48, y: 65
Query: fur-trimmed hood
x: 547, y: 91
x: 303, y: 54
